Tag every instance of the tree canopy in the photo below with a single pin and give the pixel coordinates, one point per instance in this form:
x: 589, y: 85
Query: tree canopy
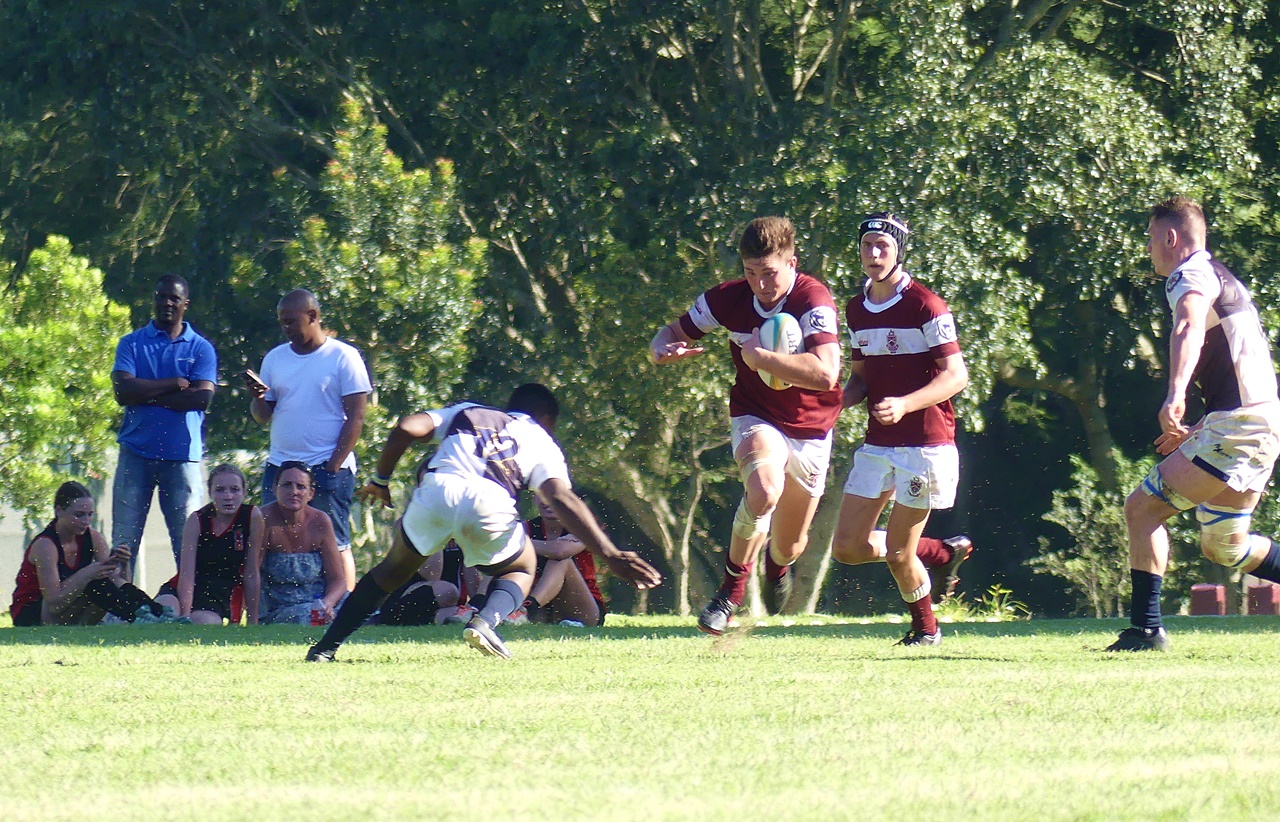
x: 484, y: 193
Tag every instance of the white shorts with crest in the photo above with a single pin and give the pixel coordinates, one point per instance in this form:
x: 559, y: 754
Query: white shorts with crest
x: 807, y: 460
x: 921, y: 477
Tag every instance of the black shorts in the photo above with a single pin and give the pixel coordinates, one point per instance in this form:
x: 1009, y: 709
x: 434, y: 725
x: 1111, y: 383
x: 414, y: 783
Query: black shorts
x: 29, y: 616
x: 212, y: 595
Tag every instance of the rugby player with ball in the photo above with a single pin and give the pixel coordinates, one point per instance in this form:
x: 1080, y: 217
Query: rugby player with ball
x: 782, y: 407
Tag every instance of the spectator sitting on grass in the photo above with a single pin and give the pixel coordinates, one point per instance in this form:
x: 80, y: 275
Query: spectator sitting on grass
x: 215, y: 544
x: 69, y: 576
x: 297, y: 577
x: 565, y: 590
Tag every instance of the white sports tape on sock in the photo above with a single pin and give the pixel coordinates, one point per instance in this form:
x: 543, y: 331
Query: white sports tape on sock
x: 918, y: 594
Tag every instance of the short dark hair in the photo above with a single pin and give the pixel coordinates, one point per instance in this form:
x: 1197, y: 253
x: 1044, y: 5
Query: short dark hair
x: 534, y: 399
x: 1184, y: 213
x: 174, y: 279
x: 766, y: 236
x: 69, y: 492
x: 295, y: 465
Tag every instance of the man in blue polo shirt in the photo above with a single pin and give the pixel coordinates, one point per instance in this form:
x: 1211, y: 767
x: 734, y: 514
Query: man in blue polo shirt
x: 163, y: 376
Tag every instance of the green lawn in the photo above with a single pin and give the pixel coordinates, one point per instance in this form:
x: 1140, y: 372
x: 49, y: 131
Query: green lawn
x: 644, y: 720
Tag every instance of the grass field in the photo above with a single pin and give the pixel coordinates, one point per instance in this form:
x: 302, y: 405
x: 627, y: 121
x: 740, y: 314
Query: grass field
x: 643, y: 720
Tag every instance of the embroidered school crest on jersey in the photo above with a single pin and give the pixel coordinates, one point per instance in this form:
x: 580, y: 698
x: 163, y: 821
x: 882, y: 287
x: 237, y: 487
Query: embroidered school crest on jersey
x: 891, y: 342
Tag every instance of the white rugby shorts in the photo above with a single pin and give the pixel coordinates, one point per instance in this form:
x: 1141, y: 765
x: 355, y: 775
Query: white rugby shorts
x: 475, y: 512
x: 921, y: 477
x: 807, y: 460
x: 1238, y: 447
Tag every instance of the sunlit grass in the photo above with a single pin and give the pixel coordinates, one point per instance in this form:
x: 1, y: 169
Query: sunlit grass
x: 646, y: 719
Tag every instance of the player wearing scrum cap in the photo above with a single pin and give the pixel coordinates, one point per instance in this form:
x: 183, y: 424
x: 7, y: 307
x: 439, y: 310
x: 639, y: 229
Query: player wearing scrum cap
x: 907, y: 366
x: 781, y: 438
x: 1220, y: 465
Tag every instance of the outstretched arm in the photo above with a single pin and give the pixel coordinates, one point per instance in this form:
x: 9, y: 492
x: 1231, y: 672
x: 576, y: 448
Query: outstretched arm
x: 671, y: 344
x: 410, y: 429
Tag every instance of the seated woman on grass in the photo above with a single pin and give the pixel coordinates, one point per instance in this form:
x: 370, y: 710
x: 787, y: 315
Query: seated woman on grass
x: 215, y: 544
x: 69, y: 576
x: 297, y: 577
x: 565, y: 590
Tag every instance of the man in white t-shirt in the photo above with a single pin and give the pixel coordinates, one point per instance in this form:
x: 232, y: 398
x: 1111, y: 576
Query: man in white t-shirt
x: 313, y: 390
x: 469, y: 494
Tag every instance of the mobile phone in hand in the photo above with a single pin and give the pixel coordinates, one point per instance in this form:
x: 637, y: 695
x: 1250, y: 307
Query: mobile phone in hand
x: 252, y: 376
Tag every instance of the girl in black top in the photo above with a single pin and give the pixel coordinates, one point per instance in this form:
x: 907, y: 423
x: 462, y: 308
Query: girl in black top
x: 215, y: 542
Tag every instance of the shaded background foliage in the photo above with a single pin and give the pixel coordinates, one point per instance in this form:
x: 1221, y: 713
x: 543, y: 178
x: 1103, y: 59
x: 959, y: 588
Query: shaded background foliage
x: 488, y: 192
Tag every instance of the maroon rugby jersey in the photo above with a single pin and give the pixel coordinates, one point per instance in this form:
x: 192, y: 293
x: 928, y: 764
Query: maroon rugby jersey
x: 899, y: 342
x: 798, y: 412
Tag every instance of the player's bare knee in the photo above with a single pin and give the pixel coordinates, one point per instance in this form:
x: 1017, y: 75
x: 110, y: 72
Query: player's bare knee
x: 851, y: 550
x: 1137, y: 507
x: 898, y: 560
x: 763, y: 493
x: 787, y: 553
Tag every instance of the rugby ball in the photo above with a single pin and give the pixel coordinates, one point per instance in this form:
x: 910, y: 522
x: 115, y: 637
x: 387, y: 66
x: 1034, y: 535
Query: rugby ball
x: 780, y: 333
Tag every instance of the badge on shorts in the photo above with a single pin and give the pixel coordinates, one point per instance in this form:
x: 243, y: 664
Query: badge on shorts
x: 915, y: 486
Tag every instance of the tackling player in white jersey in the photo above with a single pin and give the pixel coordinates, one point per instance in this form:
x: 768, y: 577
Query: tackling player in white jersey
x: 468, y: 494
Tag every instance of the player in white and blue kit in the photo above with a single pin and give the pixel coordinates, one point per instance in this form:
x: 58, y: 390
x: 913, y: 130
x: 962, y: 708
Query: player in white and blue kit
x: 1220, y: 465
x: 468, y: 494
